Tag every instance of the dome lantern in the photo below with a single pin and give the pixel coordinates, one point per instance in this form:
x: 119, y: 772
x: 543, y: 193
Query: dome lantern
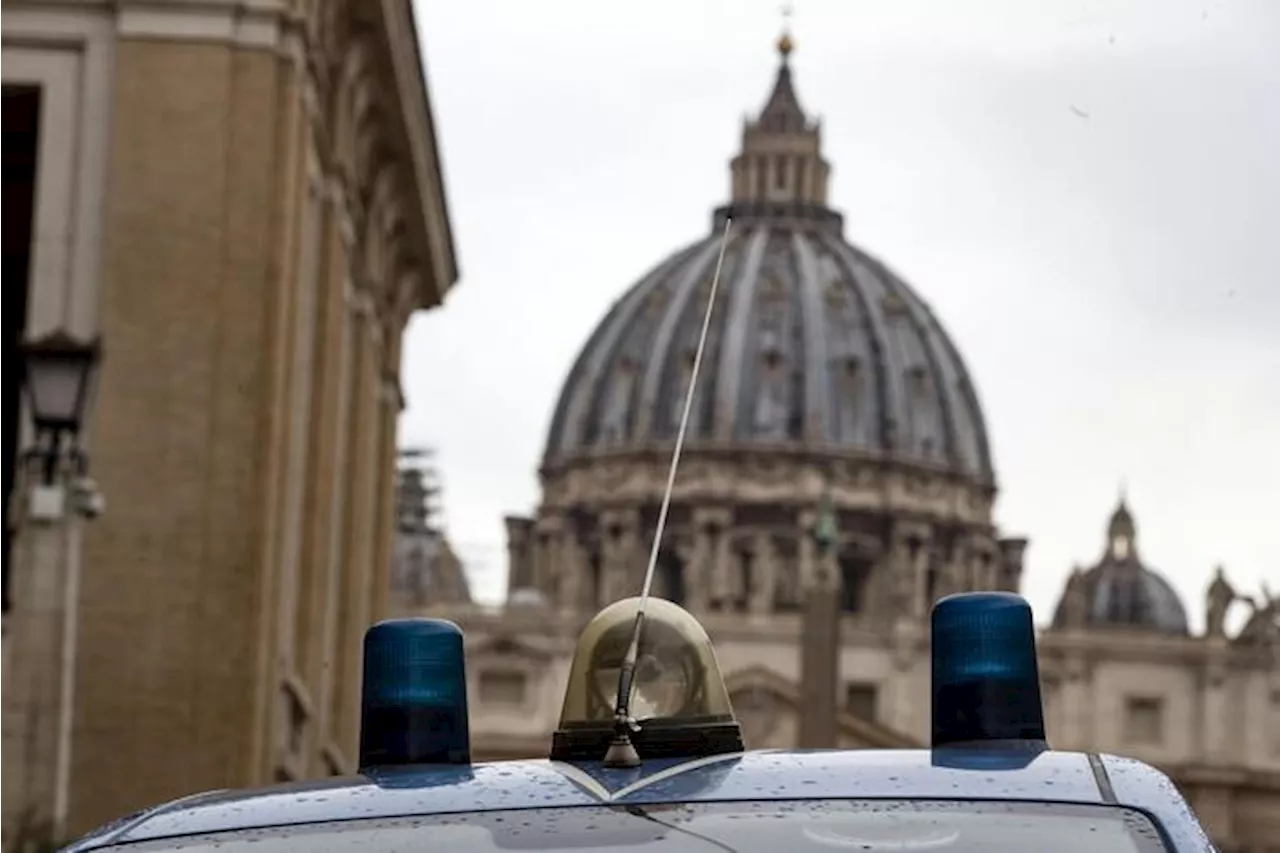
x: 780, y: 170
x: 1122, y: 534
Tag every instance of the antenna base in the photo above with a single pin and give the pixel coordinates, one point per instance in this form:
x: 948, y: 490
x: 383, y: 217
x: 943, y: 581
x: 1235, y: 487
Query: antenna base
x: 684, y: 738
x: 622, y: 753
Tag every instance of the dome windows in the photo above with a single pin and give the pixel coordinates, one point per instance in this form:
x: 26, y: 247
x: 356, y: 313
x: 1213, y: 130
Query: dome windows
x: 918, y: 383
x: 893, y: 305
x: 618, y: 404
x: 771, y: 410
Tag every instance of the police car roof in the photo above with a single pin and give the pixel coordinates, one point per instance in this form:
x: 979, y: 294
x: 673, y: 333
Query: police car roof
x: 978, y: 774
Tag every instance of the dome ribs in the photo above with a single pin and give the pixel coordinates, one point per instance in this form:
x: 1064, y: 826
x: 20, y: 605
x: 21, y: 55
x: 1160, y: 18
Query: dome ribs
x: 658, y: 348
x: 885, y: 385
x: 940, y: 367
x: 569, y: 424
x: 817, y: 396
x: 734, y: 339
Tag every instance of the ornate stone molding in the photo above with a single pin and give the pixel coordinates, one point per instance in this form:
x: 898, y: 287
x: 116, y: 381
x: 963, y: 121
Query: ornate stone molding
x: 786, y: 693
x: 794, y: 480
x: 360, y: 72
x: 1140, y: 646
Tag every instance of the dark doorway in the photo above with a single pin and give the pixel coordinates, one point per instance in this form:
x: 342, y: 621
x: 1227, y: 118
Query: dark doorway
x: 671, y: 571
x: 21, y: 125
x: 746, y: 579
x: 595, y: 579
x: 853, y: 580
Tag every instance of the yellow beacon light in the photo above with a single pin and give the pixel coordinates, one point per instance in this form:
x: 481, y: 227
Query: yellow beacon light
x: 679, y: 704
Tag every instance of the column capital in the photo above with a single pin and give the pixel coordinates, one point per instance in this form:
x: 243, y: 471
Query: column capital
x: 551, y: 523
x: 717, y: 516
x: 627, y: 519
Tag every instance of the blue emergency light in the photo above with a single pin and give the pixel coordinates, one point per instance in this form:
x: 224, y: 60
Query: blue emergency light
x: 986, y: 685
x: 414, y: 698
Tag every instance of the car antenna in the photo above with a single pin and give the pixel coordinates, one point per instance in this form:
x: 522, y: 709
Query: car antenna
x: 622, y: 753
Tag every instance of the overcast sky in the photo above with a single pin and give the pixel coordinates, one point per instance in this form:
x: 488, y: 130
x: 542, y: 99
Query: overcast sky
x: 1087, y: 193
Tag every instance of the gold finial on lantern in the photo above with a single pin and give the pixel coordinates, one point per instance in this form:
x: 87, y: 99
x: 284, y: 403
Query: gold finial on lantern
x: 785, y: 44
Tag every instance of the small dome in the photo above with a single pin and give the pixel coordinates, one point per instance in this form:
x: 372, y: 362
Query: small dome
x: 1120, y: 591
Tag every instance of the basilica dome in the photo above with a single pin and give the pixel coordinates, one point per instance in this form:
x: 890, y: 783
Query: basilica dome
x: 814, y: 343
x: 828, y: 388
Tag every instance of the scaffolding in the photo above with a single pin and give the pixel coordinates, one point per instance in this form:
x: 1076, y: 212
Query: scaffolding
x: 426, y: 570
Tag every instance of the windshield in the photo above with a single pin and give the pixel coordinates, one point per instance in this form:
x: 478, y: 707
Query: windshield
x: 767, y: 827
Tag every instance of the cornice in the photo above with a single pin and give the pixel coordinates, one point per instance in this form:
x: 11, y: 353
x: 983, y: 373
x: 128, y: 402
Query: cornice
x: 786, y: 476
x: 1135, y: 646
x: 264, y: 24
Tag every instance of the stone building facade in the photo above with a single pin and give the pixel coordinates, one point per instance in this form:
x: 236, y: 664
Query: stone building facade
x: 245, y: 200
x: 828, y: 382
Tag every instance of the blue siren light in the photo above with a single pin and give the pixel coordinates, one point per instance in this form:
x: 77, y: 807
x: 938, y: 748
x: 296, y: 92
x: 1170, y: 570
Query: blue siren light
x: 986, y: 684
x: 414, y: 698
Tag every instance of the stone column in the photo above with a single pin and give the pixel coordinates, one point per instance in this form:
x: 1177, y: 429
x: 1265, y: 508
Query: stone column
x: 548, y: 560
x: 725, y: 576
x: 766, y: 572
x: 1012, y: 553
x: 388, y: 411
x: 620, y: 539
x: 520, y: 552
x: 907, y: 656
x: 355, y: 506
x: 902, y: 581
x: 539, y: 549
x: 820, y: 640
x: 1076, y: 713
x: 807, y: 550
x: 983, y: 563
x: 709, y: 581
x: 686, y: 551
x: 1215, y: 746
x: 573, y: 570
x: 39, y: 680
x: 910, y: 550
x: 958, y: 569
x: 697, y: 573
